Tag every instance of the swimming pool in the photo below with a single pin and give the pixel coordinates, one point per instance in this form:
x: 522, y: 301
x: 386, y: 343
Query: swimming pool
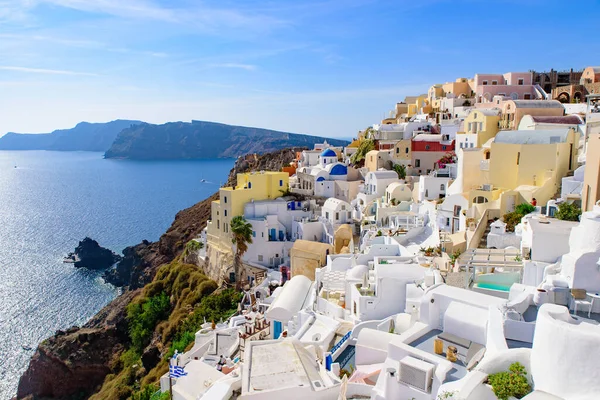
x: 493, y: 286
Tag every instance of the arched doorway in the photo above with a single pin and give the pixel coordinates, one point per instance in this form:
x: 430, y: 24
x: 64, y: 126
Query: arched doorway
x: 564, y: 97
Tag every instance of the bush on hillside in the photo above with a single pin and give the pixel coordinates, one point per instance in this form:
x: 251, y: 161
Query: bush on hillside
x: 143, y: 317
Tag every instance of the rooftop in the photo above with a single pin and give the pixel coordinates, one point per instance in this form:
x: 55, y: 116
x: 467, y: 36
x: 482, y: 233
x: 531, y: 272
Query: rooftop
x: 537, y: 104
x: 548, y: 136
x: 565, y: 119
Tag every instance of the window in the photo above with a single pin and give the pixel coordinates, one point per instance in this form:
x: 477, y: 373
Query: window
x: 480, y: 200
x: 470, y: 126
x: 225, y: 199
x: 281, y: 182
x: 518, y: 157
x: 442, y: 187
x: 521, y: 81
x: 349, y: 215
x: 417, y: 163
x: 494, y: 83
x: 397, y: 150
x: 475, y: 115
x: 484, y: 83
x: 225, y: 212
x: 249, y: 185
x: 327, y: 214
x: 527, y: 96
x: 406, y: 151
x: 260, y: 257
x: 427, y: 147
x: 456, y: 211
x: 471, y: 146
x: 218, y: 224
x: 461, y: 145
x: 428, y: 171
x: 443, y: 147
x: 253, y: 233
x: 337, y: 216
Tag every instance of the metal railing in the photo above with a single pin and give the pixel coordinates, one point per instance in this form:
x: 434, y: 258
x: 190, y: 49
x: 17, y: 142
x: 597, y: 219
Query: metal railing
x: 341, y: 342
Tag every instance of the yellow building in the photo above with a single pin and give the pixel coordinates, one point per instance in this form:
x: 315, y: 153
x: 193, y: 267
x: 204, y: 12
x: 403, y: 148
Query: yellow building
x: 376, y: 159
x: 402, y: 152
x: 250, y: 186
x: 306, y: 256
x: 417, y: 104
x: 516, y: 167
x: 531, y: 163
x: 591, y: 181
x: 479, y: 126
x: 460, y: 87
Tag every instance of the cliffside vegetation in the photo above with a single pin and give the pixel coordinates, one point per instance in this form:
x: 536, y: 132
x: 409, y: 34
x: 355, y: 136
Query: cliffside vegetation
x: 163, y: 318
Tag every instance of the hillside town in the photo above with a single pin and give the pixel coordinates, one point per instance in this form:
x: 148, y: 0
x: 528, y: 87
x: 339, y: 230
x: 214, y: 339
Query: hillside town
x: 450, y: 251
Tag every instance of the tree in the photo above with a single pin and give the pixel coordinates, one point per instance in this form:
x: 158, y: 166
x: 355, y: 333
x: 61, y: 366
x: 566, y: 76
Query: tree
x: 365, y: 146
x: 242, y: 237
x: 568, y: 212
x: 400, y: 170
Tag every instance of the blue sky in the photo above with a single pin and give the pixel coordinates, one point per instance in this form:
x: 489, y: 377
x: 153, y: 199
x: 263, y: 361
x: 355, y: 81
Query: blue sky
x: 319, y: 67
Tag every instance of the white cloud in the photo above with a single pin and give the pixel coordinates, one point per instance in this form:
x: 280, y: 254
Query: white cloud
x: 247, y: 67
x: 44, y: 71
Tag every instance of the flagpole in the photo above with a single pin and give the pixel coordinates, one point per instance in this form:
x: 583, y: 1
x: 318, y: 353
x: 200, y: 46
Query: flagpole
x: 170, y: 380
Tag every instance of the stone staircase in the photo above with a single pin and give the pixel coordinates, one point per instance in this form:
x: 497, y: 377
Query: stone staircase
x: 483, y: 241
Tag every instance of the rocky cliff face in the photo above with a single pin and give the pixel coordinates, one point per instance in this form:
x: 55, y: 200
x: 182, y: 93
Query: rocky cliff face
x: 75, y: 363
x: 200, y: 139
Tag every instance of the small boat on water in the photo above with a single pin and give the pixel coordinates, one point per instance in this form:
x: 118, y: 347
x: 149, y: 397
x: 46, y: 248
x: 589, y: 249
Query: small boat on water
x: 202, y: 180
x: 26, y: 347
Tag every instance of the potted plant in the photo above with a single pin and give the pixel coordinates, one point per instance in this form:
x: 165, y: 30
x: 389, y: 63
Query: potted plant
x: 511, y: 384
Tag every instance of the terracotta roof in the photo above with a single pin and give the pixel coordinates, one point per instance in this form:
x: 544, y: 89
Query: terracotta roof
x: 565, y: 119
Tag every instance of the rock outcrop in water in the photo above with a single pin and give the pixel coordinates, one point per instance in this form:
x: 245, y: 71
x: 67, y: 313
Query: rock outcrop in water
x: 89, y: 254
x: 75, y: 363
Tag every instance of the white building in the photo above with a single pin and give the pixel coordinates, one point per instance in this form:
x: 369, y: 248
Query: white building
x: 432, y: 187
x: 272, y: 230
x: 452, y: 213
x: 375, y: 185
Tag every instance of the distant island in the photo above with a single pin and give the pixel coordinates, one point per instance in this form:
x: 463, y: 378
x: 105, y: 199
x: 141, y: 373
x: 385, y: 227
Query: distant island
x: 174, y: 140
x: 85, y: 136
x: 200, y: 139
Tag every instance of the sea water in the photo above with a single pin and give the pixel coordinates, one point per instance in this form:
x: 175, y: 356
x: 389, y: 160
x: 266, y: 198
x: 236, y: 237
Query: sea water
x: 51, y: 200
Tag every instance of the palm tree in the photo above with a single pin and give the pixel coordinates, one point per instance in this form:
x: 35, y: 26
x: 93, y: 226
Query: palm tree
x: 242, y: 237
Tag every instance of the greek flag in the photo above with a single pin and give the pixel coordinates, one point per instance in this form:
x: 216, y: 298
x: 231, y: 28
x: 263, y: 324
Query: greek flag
x: 176, y: 372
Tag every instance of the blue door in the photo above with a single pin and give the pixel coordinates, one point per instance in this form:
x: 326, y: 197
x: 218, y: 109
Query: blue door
x: 276, y: 329
x: 272, y: 235
x: 281, y: 236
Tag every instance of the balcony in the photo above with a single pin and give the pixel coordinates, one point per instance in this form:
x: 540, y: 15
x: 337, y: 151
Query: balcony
x: 484, y: 165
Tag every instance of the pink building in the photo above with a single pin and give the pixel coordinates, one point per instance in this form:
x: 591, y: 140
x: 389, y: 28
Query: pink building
x: 515, y: 85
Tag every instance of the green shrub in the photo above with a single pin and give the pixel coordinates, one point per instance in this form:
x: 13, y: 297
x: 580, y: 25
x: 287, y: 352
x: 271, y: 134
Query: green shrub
x: 568, y: 212
x: 510, y: 383
x: 181, y: 342
x: 513, y: 218
x: 130, y: 357
x: 143, y: 317
x: 524, y: 209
